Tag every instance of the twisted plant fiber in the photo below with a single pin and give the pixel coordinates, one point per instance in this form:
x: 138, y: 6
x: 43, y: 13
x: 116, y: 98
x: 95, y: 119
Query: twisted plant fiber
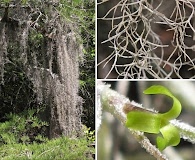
x: 135, y: 42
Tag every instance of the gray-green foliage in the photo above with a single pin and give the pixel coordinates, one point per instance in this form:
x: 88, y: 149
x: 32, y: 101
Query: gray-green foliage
x: 22, y: 128
x: 22, y: 138
x: 62, y: 148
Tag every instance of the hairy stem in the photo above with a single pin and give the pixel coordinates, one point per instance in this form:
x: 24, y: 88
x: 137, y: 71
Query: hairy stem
x: 187, y: 132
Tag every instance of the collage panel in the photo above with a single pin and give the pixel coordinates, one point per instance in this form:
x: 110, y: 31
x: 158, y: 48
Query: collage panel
x: 145, y: 39
x: 47, y: 79
x: 145, y: 120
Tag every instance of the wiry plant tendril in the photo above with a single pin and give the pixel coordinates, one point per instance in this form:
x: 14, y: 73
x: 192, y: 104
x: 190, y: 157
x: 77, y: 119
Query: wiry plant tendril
x: 140, y: 50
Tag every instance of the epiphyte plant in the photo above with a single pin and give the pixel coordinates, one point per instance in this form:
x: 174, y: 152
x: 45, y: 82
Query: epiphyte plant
x: 156, y: 123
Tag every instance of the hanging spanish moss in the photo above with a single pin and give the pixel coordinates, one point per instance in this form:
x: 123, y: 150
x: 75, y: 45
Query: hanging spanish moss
x: 46, y: 48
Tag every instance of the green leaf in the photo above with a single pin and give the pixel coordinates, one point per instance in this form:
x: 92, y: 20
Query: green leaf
x: 176, y: 108
x: 145, y: 121
x: 24, y: 2
x: 151, y: 122
x: 170, y: 137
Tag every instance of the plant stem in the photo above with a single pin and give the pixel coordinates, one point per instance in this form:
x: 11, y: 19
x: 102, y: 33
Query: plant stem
x: 186, y: 131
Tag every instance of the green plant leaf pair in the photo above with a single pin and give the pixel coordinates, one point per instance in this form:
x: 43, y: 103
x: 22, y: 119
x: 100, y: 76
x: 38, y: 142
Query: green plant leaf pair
x: 151, y: 122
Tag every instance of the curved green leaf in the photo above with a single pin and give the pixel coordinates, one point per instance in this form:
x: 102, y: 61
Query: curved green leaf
x: 145, y: 121
x: 151, y: 122
x: 176, y: 108
x: 170, y: 137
